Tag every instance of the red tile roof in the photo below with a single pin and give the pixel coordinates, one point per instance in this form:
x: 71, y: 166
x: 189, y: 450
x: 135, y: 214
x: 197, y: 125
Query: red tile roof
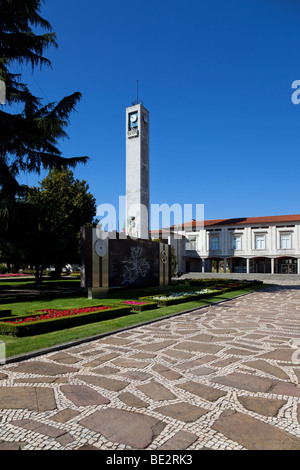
x: 237, y: 221
x: 247, y: 220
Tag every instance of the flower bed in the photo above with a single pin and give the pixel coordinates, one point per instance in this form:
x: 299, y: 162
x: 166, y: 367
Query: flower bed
x: 13, y: 275
x: 180, y: 297
x: 38, y: 322
x: 48, y: 314
x: 138, y: 305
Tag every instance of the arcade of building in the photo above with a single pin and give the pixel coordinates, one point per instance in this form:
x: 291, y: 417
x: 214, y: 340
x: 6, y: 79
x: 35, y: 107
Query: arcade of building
x: 246, y: 245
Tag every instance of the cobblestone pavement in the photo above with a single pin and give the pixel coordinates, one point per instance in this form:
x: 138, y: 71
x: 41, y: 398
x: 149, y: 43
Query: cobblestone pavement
x: 222, y: 377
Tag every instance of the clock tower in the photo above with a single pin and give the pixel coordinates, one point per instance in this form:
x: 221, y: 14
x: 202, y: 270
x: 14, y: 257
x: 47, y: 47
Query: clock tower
x: 137, y: 171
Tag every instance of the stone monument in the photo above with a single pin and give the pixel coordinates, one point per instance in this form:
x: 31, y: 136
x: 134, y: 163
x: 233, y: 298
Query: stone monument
x: 130, y: 259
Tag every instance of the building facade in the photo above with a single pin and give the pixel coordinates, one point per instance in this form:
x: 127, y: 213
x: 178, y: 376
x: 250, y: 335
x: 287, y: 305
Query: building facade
x: 245, y: 245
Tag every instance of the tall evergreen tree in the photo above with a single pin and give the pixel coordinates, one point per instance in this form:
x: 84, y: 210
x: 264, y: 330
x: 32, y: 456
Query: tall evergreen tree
x: 29, y: 138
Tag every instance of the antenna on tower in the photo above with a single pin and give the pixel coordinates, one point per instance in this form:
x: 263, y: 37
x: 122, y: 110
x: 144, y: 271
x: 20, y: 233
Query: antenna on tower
x: 137, y: 95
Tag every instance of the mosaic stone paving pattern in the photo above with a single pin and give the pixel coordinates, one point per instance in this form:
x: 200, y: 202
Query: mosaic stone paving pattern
x: 222, y: 377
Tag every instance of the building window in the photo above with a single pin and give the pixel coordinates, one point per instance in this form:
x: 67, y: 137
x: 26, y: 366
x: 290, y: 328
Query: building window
x: 260, y: 243
x: 285, y: 241
x: 213, y: 243
x: 237, y: 242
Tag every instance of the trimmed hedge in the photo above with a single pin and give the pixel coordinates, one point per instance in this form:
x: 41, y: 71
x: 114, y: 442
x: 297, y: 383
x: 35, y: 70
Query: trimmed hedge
x: 150, y: 305
x: 53, y: 324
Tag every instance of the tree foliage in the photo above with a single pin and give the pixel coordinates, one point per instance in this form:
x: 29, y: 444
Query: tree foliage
x: 28, y: 138
x: 45, y: 229
x: 66, y: 205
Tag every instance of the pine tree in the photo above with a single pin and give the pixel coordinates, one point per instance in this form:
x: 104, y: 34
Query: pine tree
x: 29, y: 138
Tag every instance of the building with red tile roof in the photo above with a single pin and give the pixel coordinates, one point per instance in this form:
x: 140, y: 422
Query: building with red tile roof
x: 269, y: 244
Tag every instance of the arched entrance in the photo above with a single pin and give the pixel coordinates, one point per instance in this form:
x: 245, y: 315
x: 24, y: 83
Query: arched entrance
x: 217, y: 264
x: 285, y: 265
x: 260, y: 265
x: 238, y: 265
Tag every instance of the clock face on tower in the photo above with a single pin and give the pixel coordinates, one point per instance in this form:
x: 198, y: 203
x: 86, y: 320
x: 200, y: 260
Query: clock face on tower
x: 133, y: 120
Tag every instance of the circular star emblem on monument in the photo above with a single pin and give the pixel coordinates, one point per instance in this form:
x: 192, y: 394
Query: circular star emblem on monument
x: 100, y: 248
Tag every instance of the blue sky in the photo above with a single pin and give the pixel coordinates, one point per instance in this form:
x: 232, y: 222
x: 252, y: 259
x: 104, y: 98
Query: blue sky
x: 216, y: 78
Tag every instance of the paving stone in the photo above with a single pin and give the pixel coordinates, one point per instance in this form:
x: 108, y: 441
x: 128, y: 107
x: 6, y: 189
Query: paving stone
x: 202, y: 371
x: 156, y: 391
x: 143, y: 355
x: 104, y: 382
x: 43, y: 380
x: 285, y: 388
x: 65, y: 358
x: 156, y: 346
x: 254, y: 434
x: 262, y: 406
x: 130, y: 363
x: 178, y: 354
x: 101, y: 360
x: 279, y: 355
x: 136, y: 375
x: 226, y: 362
x: 199, y: 347
x: 182, y: 411
x: 181, y: 441
x: 132, y: 400
x: 93, y: 352
x: 30, y: 398
x: 269, y: 368
x: 124, y: 427
x: 255, y: 336
x: 203, y: 337
x: 166, y: 372
x: 246, y: 346
x: 81, y: 395
x: 116, y: 340
x: 248, y: 382
x: 106, y: 370
x: 239, y: 352
x: 41, y: 428
x: 224, y: 331
x: 203, y: 391
x: 64, y: 416
x: 65, y: 439
x: 42, y: 368
x: 7, y: 445
x: 196, y: 362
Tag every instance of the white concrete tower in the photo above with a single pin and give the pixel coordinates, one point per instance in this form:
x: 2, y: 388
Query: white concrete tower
x: 137, y: 171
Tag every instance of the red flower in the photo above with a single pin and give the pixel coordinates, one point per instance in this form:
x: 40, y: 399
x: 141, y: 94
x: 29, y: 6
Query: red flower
x: 48, y: 314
